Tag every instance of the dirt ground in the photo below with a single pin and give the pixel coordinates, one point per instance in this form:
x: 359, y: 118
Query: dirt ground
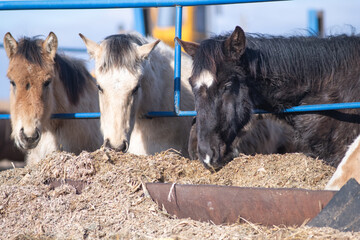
x: 113, y: 204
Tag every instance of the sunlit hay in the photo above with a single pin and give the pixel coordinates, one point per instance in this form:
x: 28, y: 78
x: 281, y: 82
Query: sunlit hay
x: 113, y: 204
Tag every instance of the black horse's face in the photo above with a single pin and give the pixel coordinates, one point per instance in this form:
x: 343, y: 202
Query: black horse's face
x: 223, y: 108
x: 221, y: 95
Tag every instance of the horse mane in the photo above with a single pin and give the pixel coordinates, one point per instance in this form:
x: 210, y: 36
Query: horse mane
x: 296, y: 58
x: 120, y: 52
x: 72, y: 72
x: 300, y: 58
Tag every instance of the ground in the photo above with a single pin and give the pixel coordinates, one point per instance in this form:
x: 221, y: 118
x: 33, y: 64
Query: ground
x: 113, y: 204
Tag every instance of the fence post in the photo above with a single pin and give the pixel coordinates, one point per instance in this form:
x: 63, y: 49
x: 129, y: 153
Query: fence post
x: 139, y: 21
x: 177, y: 70
x: 316, y: 23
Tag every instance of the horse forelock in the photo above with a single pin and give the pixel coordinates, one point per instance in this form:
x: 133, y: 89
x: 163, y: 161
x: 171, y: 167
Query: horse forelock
x: 119, y: 51
x: 208, y: 57
x: 31, y: 49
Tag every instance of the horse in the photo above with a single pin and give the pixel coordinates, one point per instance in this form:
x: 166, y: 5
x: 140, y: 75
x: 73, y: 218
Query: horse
x: 348, y: 167
x: 274, y: 73
x: 260, y: 136
x: 42, y: 83
x: 135, y: 76
x: 7, y: 145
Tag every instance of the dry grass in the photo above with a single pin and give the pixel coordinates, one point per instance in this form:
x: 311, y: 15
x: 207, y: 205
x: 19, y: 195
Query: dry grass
x: 113, y: 204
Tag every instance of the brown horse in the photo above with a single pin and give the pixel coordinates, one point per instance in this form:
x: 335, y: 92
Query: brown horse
x: 44, y: 82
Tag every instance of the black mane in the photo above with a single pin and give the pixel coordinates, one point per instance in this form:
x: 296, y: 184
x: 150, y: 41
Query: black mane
x: 73, y: 74
x: 301, y: 58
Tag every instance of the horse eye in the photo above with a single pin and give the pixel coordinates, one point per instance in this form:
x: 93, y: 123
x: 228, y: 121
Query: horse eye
x: 100, y: 88
x: 134, y: 91
x: 13, y: 83
x: 27, y: 87
x: 228, y: 86
x: 47, y: 83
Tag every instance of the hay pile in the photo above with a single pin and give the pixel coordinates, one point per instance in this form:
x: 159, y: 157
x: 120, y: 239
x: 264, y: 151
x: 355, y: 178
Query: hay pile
x: 113, y: 205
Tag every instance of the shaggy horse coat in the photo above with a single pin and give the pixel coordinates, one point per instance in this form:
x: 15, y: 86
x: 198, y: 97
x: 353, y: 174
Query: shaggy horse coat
x: 275, y: 73
x: 42, y: 83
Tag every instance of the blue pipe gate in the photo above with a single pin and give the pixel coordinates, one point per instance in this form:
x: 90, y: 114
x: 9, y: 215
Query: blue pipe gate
x: 178, y: 4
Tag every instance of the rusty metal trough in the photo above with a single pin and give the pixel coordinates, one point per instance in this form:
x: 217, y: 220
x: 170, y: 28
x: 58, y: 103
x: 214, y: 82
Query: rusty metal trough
x: 227, y: 204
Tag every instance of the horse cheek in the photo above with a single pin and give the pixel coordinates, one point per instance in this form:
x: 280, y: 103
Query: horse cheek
x: 46, y: 105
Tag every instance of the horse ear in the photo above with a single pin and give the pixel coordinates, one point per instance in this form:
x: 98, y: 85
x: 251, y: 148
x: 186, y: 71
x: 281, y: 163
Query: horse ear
x: 146, y: 49
x: 189, y: 47
x: 10, y: 45
x: 91, y: 46
x: 235, y: 44
x: 50, y: 45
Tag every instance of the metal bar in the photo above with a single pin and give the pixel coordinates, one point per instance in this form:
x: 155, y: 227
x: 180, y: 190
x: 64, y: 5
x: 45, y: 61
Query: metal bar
x: 71, y: 49
x: 139, y: 21
x: 316, y: 108
x: 177, y: 68
x: 4, y: 116
x: 172, y: 114
x: 100, y: 4
x: 76, y: 115
x: 304, y: 109
x: 313, y: 24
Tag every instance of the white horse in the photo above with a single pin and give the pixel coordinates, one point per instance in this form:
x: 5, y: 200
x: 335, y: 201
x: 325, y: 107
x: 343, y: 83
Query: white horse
x: 135, y: 76
x: 42, y: 83
x: 349, y: 167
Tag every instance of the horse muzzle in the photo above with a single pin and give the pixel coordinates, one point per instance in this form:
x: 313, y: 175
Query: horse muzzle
x: 124, y: 147
x: 29, y: 141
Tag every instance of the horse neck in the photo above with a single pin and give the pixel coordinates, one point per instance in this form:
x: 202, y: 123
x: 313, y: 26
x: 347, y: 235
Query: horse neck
x: 157, y: 83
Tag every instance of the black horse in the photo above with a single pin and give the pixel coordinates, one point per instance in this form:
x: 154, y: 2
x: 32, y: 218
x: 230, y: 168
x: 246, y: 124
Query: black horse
x: 233, y: 75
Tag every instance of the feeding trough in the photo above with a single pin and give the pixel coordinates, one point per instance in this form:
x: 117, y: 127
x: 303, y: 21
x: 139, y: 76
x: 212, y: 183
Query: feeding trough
x: 227, y: 204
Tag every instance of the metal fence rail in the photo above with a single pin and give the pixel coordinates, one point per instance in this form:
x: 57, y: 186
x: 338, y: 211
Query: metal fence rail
x: 178, y: 4
x: 297, y: 109
x: 99, y: 4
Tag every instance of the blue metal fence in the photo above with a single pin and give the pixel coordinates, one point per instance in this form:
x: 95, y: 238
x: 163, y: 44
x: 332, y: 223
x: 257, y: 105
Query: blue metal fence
x: 99, y: 4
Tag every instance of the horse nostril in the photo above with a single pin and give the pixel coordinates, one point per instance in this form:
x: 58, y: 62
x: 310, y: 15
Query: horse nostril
x: 37, y: 134
x: 124, y: 147
x: 107, y: 143
x: 32, y: 139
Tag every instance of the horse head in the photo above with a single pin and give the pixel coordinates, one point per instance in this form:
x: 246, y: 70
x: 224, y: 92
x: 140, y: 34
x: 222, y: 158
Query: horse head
x: 119, y: 71
x: 221, y: 94
x: 31, y: 73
